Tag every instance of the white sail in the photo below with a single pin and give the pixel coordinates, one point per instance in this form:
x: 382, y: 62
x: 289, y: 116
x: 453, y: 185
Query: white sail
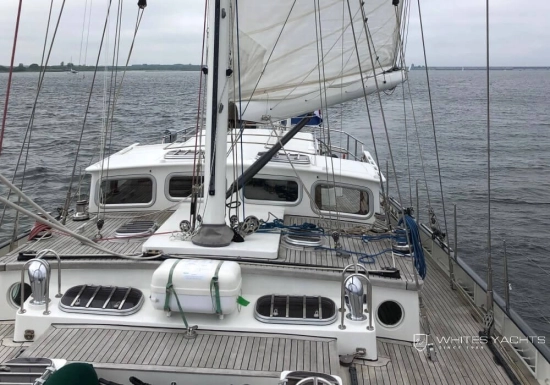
x: 287, y: 47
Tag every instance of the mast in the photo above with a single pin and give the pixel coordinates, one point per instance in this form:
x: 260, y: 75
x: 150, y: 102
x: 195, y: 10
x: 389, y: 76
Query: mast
x: 214, y: 232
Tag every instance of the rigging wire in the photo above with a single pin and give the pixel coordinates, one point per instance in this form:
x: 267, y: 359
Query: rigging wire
x: 10, y: 74
x: 234, y: 200
x: 314, y: 94
x: 242, y: 192
x: 368, y: 110
x: 419, y: 144
x: 270, y: 54
x: 69, y: 190
x: 88, y: 34
x: 292, y: 166
x: 339, y: 38
x: 489, y: 255
x: 82, y: 34
x: 198, y: 131
x: 322, y: 87
x: 140, y: 13
x: 369, y: 41
x: 28, y: 131
x: 403, y: 46
x: 433, y: 119
x: 112, y: 89
x: 403, y: 65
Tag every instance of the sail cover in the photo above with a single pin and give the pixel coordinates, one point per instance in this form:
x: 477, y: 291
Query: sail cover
x: 291, y: 52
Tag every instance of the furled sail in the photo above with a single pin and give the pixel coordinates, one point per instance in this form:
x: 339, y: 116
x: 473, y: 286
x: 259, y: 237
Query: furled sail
x: 293, y: 51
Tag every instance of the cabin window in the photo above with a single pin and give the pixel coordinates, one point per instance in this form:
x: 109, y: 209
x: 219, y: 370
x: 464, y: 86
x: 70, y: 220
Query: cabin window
x: 126, y: 191
x: 342, y: 198
x: 181, y: 186
x: 274, y: 190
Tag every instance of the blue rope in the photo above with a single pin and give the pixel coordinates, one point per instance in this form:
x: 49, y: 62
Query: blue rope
x: 418, y: 255
x: 278, y: 224
x: 400, y: 236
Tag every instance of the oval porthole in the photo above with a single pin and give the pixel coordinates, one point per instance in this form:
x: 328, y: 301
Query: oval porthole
x: 14, y: 294
x: 390, y: 314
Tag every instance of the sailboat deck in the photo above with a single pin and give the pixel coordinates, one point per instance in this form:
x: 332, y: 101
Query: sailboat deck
x: 77, y: 255
x: 8, y: 348
x: 354, y: 244
x: 211, y: 352
x: 265, y: 354
x: 456, y: 362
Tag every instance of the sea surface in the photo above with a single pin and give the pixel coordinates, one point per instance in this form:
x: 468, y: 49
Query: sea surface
x: 151, y: 102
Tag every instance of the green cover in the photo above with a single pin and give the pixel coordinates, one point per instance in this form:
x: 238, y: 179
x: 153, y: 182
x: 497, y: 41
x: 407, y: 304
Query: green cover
x: 77, y: 373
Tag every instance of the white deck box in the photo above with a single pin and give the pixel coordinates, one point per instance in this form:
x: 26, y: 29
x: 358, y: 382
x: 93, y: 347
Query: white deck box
x: 191, y: 280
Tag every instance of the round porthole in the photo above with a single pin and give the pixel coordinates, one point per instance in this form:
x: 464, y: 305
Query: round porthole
x: 14, y: 294
x: 390, y: 314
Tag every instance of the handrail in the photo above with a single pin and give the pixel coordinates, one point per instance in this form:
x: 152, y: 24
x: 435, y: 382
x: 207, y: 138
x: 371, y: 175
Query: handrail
x: 22, y: 284
x: 369, y: 293
x: 43, y: 253
x: 356, y: 141
x: 346, y: 148
x: 350, y: 148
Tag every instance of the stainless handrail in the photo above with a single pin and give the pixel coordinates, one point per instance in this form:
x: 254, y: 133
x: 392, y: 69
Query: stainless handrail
x: 347, y: 146
x: 43, y: 253
x: 347, y: 149
x: 22, y: 284
x: 343, y: 289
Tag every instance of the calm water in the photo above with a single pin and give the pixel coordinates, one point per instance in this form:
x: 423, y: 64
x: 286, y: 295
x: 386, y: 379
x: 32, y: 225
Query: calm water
x: 154, y: 101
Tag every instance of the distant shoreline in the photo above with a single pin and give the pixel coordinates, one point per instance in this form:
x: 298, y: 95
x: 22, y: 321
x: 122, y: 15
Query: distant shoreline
x: 135, y: 67
x: 474, y: 68
x: 196, y: 67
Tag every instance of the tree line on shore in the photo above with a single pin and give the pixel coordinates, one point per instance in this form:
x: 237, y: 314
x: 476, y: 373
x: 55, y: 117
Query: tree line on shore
x: 70, y: 66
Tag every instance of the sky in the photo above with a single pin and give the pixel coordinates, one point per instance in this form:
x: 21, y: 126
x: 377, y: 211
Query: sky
x: 171, y: 32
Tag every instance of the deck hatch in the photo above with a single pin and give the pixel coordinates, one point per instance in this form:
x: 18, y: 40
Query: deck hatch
x: 183, y: 154
x: 108, y: 300
x: 281, y: 157
x: 136, y: 229
x: 295, y: 309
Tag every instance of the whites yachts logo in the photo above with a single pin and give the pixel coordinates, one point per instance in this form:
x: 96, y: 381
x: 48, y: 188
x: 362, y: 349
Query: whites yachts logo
x: 472, y: 342
x: 420, y: 341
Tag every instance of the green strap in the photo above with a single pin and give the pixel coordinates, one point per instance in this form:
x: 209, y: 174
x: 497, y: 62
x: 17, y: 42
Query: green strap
x: 170, y: 290
x: 214, y: 284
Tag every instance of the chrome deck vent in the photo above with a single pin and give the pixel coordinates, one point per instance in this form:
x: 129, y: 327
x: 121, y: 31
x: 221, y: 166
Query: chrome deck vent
x: 281, y: 157
x: 183, y: 153
x: 295, y: 309
x: 107, y: 300
x: 136, y: 229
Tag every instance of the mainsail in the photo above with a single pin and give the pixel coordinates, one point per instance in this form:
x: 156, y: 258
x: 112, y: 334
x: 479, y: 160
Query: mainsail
x: 291, y: 52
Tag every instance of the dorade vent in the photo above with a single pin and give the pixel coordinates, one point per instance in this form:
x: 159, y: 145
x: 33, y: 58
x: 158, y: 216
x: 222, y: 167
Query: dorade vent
x: 281, y: 157
x: 136, y: 229
x: 295, y: 309
x: 183, y: 153
x: 108, y: 300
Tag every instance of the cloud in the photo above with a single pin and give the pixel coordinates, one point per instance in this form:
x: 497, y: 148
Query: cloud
x: 171, y: 32
x: 455, y: 33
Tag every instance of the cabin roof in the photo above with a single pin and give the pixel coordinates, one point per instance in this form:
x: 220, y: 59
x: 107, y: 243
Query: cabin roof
x: 255, y: 141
